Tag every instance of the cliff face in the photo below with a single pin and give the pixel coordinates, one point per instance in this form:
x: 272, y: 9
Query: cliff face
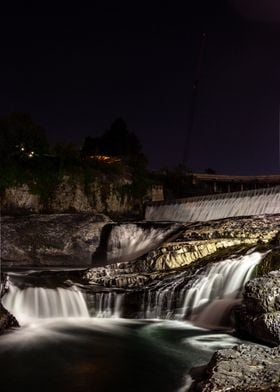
x: 55, y: 239
x: 71, y: 195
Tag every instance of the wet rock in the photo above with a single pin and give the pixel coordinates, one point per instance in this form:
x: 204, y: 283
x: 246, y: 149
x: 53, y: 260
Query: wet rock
x: 241, y: 368
x: 257, y: 227
x: 205, y: 239
x: 207, y: 242
x: 259, y: 314
x: 264, y: 328
x: 262, y: 295
x: 6, y: 320
x: 56, y: 239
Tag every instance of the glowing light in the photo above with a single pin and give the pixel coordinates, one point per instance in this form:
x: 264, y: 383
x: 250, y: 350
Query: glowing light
x: 105, y: 158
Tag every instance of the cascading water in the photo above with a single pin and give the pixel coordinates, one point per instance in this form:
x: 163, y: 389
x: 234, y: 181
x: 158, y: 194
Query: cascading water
x: 210, y: 207
x: 205, y: 298
x: 128, y: 241
x: 40, y: 303
x: 107, y: 305
x: 74, y: 333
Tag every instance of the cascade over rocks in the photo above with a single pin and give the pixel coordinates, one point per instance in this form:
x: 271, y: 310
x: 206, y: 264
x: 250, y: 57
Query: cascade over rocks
x: 259, y: 314
x: 210, y: 241
x: 241, y: 368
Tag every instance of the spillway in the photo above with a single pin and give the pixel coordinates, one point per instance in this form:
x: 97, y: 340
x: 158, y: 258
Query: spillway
x: 212, y: 207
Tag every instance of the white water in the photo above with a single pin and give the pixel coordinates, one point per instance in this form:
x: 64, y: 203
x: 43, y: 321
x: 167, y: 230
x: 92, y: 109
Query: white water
x: 131, y: 240
x: 108, y: 305
x: 40, y: 303
x: 210, y: 296
x: 211, y: 207
x: 206, y: 302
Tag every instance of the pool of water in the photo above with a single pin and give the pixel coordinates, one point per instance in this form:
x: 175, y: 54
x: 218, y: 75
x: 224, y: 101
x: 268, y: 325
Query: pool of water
x: 91, y: 354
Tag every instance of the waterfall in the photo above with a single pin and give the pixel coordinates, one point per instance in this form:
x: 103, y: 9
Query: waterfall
x: 39, y: 302
x: 211, y: 207
x: 107, y: 305
x: 206, y: 298
x: 128, y: 241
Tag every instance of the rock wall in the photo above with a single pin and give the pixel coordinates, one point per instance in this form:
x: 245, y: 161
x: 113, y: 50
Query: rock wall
x: 50, y: 240
x: 71, y: 195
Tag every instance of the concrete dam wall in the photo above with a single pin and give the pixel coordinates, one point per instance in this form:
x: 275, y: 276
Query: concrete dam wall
x: 211, y: 207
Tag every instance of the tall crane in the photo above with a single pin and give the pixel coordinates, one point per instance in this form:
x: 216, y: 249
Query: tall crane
x: 194, y: 100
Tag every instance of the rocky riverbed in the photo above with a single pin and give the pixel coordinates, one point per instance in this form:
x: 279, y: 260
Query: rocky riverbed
x: 74, y: 239
x: 250, y: 367
x: 196, y: 243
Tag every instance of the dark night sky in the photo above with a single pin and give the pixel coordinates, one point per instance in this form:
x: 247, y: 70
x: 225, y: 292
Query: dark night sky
x: 76, y: 71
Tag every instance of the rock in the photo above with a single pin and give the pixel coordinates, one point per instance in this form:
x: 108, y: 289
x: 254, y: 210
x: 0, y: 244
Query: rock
x: 20, y: 199
x: 56, y: 239
x: 262, y: 295
x: 200, y: 242
x: 102, y: 194
x: 259, y: 314
x: 6, y: 320
x: 260, y: 228
x: 241, y: 368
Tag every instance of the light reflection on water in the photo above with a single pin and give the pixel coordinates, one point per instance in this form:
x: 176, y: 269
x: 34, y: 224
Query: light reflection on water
x: 105, y: 355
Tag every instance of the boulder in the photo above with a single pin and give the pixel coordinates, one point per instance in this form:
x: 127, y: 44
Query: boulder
x: 6, y: 320
x: 50, y: 240
x: 241, y: 368
x: 259, y: 314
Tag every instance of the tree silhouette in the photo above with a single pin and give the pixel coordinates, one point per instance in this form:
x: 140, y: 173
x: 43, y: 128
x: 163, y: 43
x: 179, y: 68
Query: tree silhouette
x: 116, y: 141
x: 20, y: 136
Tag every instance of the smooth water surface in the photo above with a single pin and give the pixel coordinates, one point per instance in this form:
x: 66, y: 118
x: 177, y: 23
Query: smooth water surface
x: 90, y: 354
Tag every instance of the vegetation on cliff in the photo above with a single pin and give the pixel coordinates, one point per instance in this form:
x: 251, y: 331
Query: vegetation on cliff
x: 114, y: 158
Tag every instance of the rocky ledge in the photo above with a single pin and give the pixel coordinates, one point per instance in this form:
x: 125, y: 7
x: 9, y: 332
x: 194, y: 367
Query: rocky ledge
x: 6, y: 320
x: 55, y: 239
x: 210, y: 241
x: 241, y: 368
x: 259, y: 314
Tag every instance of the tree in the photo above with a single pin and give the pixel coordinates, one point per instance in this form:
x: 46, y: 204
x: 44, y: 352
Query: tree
x: 20, y: 136
x: 116, y: 141
x: 209, y: 170
x: 68, y: 155
x: 91, y: 146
